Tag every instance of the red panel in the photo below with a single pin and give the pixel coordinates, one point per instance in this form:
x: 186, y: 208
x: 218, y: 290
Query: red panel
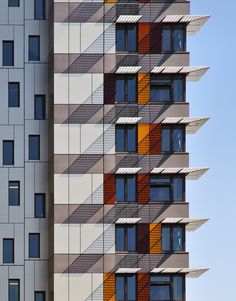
x: 143, y: 287
x: 143, y: 238
x: 109, y: 188
x: 143, y: 188
x: 155, y: 139
x: 156, y: 38
x: 144, y: 38
x: 109, y: 88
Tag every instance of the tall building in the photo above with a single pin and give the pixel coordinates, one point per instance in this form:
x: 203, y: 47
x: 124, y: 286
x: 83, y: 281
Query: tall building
x: 94, y: 166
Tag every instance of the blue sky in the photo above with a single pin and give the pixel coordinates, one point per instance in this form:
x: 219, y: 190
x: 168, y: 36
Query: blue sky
x: 214, y: 244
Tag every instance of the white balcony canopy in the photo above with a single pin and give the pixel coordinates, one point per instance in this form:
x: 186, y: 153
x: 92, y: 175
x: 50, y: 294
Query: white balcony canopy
x: 128, y: 69
x: 193, y: 73
x: 190, y: 273
x: 192, y: 224
x: 128, y: 220
x: 194, y: 22
x: 191, y: 173
x: 193, y: 123
x: 128, y: 18
x: 127, y: 270
x: 128, y: 120
x: 128, y: 170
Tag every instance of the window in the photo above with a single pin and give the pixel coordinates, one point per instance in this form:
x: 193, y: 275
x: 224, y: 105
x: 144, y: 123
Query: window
x: 167, y: 288
x: 13, y: 95
x: 173, y: 139
x: 8, y: 250
x: 126, y: 238
x: 126, y: 37
x: 39, y: 205
x: 34, y: 147
x: 34, y: 48
x: 8, y: 152
x: 126, y: 287
x: 173, y: 238
x: 13, y: 3
x: 39, y: 9
x: 14, y: 290
x: 173, y: 38
x: 14, y: 193
x: 126, y: 188
x: 126, y: 138
x: 39, y: 107
x: 167, y: 88
x: 8, y: 53
x: 34, y: 245
x: 167, y: 189
x: 40, y: 296
x: 126, y: 88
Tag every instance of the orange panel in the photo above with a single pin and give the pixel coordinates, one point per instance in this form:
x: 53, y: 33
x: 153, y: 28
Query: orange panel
x: 109, y: 286
x: 110, y: 1
x: 155, y: 238
x: 143, y: 139
x: 143, y: 88
x: 144, y: 38
x: 143, y: 188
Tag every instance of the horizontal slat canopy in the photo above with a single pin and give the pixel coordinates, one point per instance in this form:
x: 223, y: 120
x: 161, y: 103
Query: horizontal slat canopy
x: 128, y: 18
x: 128, y: 170
x: 127, y: 270
x: 191, y: 173
x: 128, y: 220
x: 128, y: 120
x: 194, y: 22
x: 190, y: 273
x: 193, y: 73
x: 128, y: 69
x: 192, y: 224
x: 193, y: 123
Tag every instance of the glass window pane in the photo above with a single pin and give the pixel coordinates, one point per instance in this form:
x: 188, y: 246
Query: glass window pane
x: 160, y: 194
x: 34, y: 147
x: 120, y: 238
x: 132, y: 89
x: 131, y: 233
x: 120, y: 189
x: 8, y: 152
x: 13, y: 95
x: 39, y: 205
x: 162, y: 94
x: 8, y: 251
x: 120, y: 288
x: 120, y: 39
x: 178, y: 194
x: 131, y: 287
x: 39, y: 107
x: 165, y: 140
x: 165, y: 238
x: 8, y: 53
x: 132, y: 38
x: 178, y: 92
x: 39, y: 296
x: 163, y: 292
x: 120, y: 139
x: 178, y: 40
x: 14, y: 290
x: 120, y: 90
x: 178, y: 140
x: 34, y: 245
x: 34, y: 48
x: 178, y: 239
x: 14, y: 193
x: 13, y: 3
x: 166, y: 40
x: 160, y: 278
x: 132, y: 139
x: 177, y: 288
x: 39, y: 9
x: 131, y: 189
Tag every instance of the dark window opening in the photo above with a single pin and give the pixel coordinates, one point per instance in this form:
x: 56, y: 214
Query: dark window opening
x: 39, y: 9
x: 173, y: 238
x: 8, y: 53
x: 8, y: 250
x: 34, y: 147
x: 34, y: 245
x: 39, y: 205
x: 13, y: 95
x: 14, y: 290
x: 34, y: 48
x: 40, y: 296
x: 173, y: 139
x: 14, y: 193
x: 8, y: 152
x: 39, y: 107
x: 13, y: 3
x: 174, y: 38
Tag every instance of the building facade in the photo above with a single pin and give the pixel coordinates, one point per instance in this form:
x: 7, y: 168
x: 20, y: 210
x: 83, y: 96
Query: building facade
x: 94, y: 165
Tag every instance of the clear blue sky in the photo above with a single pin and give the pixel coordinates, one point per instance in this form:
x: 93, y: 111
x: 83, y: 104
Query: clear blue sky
x: 214, y: 244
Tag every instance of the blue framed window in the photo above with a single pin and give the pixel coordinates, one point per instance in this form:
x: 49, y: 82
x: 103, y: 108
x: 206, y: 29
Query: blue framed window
x: 39, y: 9
x: 126, y: 138
x: 34, y: 147
x: 13, y: 94
x: 8, y: 152
x: 39, y: 107
x: 14, y: 193
x: 39, y: 205
x: 34, y: 48
x: 40, y: 296
x: 8, y: 250
x: 126, y: 238
x: 167, y: 288
x: 34, y: 245
x: 14, y: 290
x: 173, y: 139
x: 126, y: 188
x: 167, y: 188
x: 174, y: 38
x: 126, y: 287
x: 8, y: 53
x: 126, y: 37
x: 126, y: 88
x: 13, y: 3
x: 173, y: 238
